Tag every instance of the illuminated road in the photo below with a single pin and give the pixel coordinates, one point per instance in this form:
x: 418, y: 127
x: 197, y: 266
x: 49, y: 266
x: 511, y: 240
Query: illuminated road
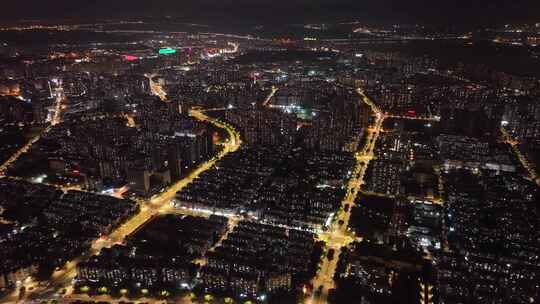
x: 56, y: 118
x: 60, y: 98
x: 107, y: 298
x: 20, y: 152
x: 266, y: 102
x: 524, y: 162
x: 130, y: 121
x: 155, y: 87
x: 223, y: 51
x: 432, y: 118
x: 232, y: 223
x: 159, y: 204
x: 335, y: 238
x: 235, y: 48
x: 338, y: 236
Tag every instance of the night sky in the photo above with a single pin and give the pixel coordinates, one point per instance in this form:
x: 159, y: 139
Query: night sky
x: 451, y: 12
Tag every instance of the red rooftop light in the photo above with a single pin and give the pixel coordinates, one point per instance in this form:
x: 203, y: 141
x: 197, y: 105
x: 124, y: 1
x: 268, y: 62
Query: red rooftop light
x: 130, y: 58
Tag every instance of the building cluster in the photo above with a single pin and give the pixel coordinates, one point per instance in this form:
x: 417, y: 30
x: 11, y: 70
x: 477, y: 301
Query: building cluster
x: 147, y: 151
x: 471, y: 99
x: 42, y: 228
x: 19, y: 111
x: 490, y: 225
x: 215, y: 86
x: 485, y: 229
x: 373, y: 217
x: 385, y: 177
x: 443, y: 199
x: 234, y: 182
x: 340, y: 122
x: 159, y: 256
x: 475, y: 153
x: 369, y: 272
x: 406, y: 84
x: 308, y: 108
x: 405, y: 157
x: 24, y: 110
x: 522, y: 120
x: 257, y: 260
x: 307, y: 189
x: 425, y: 225
x: 297, y: 188
x: 264, y: 127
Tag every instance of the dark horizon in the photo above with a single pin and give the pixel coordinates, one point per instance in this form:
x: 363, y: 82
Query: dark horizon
x: 456, y: 13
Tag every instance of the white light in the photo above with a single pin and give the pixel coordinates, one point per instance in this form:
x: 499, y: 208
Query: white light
x: 329, y: 219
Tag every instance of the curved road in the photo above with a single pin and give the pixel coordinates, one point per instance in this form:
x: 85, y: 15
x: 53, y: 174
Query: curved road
x: 157, y: 205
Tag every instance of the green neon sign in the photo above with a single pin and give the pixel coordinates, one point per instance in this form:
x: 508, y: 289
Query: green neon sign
x: 167, y: 51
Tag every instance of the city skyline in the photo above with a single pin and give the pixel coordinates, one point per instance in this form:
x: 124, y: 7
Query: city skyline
x: 270, y: 153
